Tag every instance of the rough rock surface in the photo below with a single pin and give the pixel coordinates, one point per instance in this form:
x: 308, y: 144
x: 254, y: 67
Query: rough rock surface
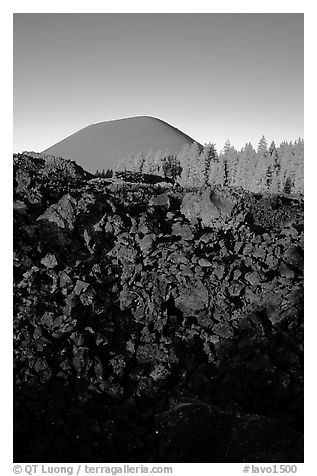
x: 144, y: 314
x: 207, y: 206
x: 196, y: 432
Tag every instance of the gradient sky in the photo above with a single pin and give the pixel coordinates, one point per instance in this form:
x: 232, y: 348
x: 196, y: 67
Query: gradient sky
x: 213, y: 76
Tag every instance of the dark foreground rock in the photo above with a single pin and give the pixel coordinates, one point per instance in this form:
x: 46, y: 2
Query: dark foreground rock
x: 196, y: 432
x: 152, y: 323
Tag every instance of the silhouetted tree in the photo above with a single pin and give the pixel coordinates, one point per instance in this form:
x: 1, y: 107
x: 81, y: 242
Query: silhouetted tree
x: 104, y: 174
x: 272, y: 169
x: 230, y: 162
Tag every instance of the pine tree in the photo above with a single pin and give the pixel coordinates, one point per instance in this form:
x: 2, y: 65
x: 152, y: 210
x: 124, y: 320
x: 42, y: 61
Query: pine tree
x: 149, y: 164
x: 208, y: 155
x: 262, y: 147
x: 183, y: 159
x: 222, y: 170
x: 299, y: 166
x: 261, y: 166
x: 288, y: 167
x: 120, y: 165
x: 288, y: 185
x: 196, y: 177
x: 215, y: 171
x: 158, y: 163
x: 125, y: 163
x: 246, y: 167
x: 227, y: 146
x: 138, y: 162
x: 170, y: 165
x: 272, y: 169
x: 230, y: 158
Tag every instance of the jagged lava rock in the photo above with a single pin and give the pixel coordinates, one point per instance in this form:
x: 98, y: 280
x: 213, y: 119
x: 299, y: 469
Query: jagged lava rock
x: 120, y: 307
x: 63, y: 213
x: 207, y: 206
x: 196, y: 432
x: 160, y: 201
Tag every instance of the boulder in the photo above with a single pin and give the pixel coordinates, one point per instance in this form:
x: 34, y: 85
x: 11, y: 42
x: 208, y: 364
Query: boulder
x: 49, y: 261
x: 183, y: 230
x: 193, y: 296
x: 62, y: 214
x: 161, y: 201
x: 80, y: 287
x: 146, y: 243
x: 253, y: 278
x: 204, y: 263
x: 207, y: 206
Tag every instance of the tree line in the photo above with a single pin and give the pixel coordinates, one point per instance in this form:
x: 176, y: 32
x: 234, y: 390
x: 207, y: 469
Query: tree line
x: 104, y: 174
x: 265, y: 169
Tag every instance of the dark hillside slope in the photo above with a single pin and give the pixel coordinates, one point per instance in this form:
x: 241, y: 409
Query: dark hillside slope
x: 99, y: 146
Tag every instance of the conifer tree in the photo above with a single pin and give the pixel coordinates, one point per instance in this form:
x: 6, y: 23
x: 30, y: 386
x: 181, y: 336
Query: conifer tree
x: 262, y: 147
x: 299, y: 166
x: 196, y: 167
x: 227, y: 146
x: 260, y: 183
x: 120, y: 164
x: 170, y: 165
x: 215, y: 171
x: 125, y: 163
x: 230, y: 158
x: 272, y: 169
x: 149, y: 163
x: 138, y: 162
x: 269, y: 169
x: 288, y: 167
x: 183, y: 159
x: 221, y: 170
x: 246, y: 167
x: 208, y: 155
x: 158, y: 161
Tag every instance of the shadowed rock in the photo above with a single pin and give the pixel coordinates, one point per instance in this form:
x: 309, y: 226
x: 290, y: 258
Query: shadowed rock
x: 140, y: 335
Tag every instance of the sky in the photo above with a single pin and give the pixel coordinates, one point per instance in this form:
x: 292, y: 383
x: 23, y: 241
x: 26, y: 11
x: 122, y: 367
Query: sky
x: 213, y: 76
